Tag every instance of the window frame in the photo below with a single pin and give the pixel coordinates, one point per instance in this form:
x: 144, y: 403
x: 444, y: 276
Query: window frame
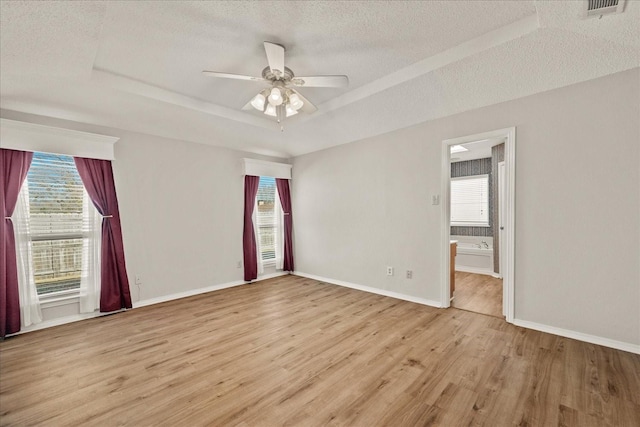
x: 34, y: 137
x: 59, y: 297
x: 276, y: 225
x: 486, y: 224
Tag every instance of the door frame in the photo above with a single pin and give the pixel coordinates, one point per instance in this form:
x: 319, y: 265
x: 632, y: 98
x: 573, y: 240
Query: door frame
x: 508, y: 251
x: 501, y: 215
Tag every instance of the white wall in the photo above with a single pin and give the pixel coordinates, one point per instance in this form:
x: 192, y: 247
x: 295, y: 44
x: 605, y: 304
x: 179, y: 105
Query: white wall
x: 360, y: 207
x: 181, y: 206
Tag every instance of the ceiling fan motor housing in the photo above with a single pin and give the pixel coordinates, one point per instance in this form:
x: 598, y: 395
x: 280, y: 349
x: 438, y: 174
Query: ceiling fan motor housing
x: 285, y: 77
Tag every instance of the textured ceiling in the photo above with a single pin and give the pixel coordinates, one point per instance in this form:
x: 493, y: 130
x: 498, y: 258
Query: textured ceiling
x: 137, y: 65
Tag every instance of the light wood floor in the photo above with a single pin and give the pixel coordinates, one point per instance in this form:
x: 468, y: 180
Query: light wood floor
x: 478, y: 293
x: 294, y: 351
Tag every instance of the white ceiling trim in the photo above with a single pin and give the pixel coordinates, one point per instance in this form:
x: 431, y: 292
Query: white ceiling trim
x: 472, y: 47
x: 136, y: 87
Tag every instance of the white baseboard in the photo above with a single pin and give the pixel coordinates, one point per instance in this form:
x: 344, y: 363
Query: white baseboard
x: 77, y: 317
x: 61, y: 321
x: 272, y: 275
x: 370, y: 289
x: 474, y: 270
x: 185, y: 294
x: 204, y: 290
x: 619, y: 345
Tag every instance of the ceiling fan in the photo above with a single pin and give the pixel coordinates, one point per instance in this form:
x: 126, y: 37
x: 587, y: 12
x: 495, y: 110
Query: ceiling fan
x: 280, y: 99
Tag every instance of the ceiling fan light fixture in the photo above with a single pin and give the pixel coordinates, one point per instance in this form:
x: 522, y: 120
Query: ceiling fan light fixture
x: 270, y: 110
x: 290, y: 111
x: 295, y: 102
x: 275, y: 97
x: 258, y: 102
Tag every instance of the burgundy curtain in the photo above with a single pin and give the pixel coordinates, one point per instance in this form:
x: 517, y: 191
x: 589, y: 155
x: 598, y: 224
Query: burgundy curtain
x: 249, y: 250
x: 15, y: 165
x: 97, y: 177
x: 285, y: 201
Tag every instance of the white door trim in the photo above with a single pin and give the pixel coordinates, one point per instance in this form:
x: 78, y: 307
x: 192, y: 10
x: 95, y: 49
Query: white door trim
x: 501, y: 214
x: 509, y: 219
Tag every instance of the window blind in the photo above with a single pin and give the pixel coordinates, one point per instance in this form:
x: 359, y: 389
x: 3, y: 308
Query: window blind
x: 266, y: 217
x: 56, y: 224
x: 470, y: 201
x: 55, y: 196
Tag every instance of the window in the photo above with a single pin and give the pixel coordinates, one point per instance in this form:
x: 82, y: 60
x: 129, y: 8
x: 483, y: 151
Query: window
x: 267, y: 219
x: 470, y: 201
x: 57, y: 223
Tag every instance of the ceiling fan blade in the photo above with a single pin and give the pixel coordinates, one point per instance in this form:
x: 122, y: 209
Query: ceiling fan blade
x: 232, y: 76
x: 275, y: 56
x: 321, y: 81
x: 307, y: 107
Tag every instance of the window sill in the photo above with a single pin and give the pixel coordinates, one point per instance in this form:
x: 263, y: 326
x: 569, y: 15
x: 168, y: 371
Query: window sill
x: 58, y: 300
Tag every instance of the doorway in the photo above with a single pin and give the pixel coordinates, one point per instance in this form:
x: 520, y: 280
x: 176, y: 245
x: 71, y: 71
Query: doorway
x: 484, y: 262
x: 480, y: 293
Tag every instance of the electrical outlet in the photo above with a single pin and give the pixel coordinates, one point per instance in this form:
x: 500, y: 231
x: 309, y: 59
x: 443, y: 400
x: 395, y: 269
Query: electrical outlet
x: 409, y: 274
x: 389, y: 271
x: 138, y: 280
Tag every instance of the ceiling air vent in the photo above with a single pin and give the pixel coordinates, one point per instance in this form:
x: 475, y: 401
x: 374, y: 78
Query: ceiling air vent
x: 602, y: 7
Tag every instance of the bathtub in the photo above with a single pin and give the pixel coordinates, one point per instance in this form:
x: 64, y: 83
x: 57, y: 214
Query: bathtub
x: 473, y: 256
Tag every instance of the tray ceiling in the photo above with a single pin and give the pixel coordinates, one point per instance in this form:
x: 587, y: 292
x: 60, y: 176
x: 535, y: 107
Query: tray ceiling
x: 137, y: 65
